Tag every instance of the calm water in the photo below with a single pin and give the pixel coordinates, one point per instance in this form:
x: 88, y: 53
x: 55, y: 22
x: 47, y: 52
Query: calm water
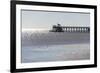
x: 41, y: 46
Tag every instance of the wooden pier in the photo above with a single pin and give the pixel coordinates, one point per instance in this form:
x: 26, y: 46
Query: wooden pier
x: 70, y: 29
x: 76, y: 29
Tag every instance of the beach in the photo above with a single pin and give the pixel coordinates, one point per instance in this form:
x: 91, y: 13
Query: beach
x: 45, y: 46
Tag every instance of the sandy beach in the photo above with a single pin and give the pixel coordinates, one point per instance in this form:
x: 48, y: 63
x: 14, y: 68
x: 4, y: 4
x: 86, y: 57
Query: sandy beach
x: 43, y: 46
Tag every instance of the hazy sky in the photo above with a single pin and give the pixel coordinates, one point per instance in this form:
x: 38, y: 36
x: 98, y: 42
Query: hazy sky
x: 45, y: 20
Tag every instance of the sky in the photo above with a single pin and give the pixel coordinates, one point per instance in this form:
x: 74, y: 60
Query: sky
x: 46, y: 19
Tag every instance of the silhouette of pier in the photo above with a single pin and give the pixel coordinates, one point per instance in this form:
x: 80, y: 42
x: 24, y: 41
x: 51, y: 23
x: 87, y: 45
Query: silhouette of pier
x: 59, y: 28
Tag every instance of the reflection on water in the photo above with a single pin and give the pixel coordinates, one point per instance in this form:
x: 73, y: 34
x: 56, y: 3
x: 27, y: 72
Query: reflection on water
x: 43, y: 46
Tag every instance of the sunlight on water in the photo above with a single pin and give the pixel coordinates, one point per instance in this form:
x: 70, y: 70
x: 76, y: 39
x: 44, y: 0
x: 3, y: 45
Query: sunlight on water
x: 34, y: 30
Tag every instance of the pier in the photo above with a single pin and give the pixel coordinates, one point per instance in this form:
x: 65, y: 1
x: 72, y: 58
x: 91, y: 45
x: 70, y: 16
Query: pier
x: 60, y: 28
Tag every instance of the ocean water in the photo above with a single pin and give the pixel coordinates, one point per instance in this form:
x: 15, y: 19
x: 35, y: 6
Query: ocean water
x: 45, y: 46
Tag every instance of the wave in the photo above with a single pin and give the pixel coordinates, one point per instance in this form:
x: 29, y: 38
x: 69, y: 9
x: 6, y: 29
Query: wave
x: 44, y: 37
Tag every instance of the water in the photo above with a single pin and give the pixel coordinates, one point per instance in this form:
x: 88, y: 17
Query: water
x: 43, y: 46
